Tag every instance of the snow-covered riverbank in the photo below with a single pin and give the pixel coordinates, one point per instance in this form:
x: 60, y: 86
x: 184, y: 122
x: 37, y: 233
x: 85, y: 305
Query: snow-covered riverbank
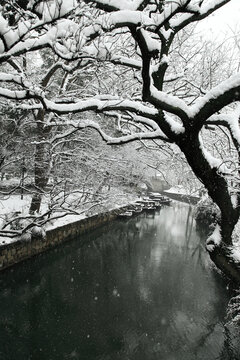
x: 13, y: 206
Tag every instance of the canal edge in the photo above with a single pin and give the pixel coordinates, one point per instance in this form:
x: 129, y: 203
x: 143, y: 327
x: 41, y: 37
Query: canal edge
x: 20, y: 250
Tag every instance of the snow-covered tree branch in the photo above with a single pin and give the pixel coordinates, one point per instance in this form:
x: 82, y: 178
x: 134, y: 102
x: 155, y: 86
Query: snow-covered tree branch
x: 124, y: 60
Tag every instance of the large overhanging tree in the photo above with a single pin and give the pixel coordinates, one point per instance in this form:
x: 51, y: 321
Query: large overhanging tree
x: 139, y: 35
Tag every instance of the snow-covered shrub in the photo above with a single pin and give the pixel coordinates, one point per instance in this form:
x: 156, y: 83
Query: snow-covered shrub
x: 206, y: 212
x: 26, y: 237
x: 38, y: 232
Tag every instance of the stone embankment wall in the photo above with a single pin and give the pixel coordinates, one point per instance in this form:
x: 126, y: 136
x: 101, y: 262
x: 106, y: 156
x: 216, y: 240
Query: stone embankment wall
x: 20, y: 250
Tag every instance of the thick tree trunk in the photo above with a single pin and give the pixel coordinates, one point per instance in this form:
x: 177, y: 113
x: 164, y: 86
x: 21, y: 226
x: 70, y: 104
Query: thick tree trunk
x: 41, y: 166
x: 227, y: 225
x: 35, y: 203
x: 214, y: 182
x: 222, y: 259
x: 41, y: 176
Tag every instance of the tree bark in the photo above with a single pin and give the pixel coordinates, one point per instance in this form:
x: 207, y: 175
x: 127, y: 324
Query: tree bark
x: 42, y: 164
x: 222, y: 259
x: 214, y: 182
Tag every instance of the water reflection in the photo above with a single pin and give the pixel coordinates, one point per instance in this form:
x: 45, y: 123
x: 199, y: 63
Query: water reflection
x: 141, y: 289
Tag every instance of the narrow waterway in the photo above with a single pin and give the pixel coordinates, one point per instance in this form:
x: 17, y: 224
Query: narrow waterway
x: 141, y: 289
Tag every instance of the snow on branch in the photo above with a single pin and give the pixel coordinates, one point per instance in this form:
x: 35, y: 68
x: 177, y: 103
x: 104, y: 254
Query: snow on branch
x: 101, y: 105
x: 175, y: 126
x: 170, y: 10
x: 47, y: 12
x: 66, y: 37
x: 214, y: 162
x: 147, y: 129
x: 110, y: 5
x: 123, y: 60
x: 208, y: 8
x: 14, y: 95
x: 229, y: 120
x: 58, y: 65
x: 143, y: 135
x: 195, y: 12
x: 169, y: 103
x: 53, y: 10
x: 152, y: 44
x: 118, y: 19
x: 29, y: 44
x: 217, y: 98
x: 157, y: 134
x: 16, y: 79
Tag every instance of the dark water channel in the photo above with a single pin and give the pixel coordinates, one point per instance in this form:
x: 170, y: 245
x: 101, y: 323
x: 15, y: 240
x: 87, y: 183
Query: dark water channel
x: 137, y: 290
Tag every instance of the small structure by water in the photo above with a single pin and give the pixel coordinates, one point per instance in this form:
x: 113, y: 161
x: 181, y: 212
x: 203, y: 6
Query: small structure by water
x: 151, y: 202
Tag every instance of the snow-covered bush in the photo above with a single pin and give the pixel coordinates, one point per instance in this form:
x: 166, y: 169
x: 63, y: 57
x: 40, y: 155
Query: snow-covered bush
x: 206, y: 211
x: 38, y: 232
x: 26, y: 237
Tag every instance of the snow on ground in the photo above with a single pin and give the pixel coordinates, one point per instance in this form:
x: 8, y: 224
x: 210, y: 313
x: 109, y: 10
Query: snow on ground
x: 181, y: 190
x: 53, y: 224
x: 14, y: 205
x: 10, y: 205
x: 178, y: 189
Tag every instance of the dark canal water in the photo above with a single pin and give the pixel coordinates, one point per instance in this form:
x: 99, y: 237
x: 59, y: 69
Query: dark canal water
x: 137, y: 290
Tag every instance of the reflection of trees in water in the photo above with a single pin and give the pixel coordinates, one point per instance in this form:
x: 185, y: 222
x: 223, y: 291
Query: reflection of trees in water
x: 198, y: 249
x: 189, y: 225
x: 151, y: 345
x: 203, y: 231
x: 135, y: 340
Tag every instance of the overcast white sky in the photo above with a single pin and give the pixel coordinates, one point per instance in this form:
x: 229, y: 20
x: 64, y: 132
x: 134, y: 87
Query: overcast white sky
x: 220, y: 22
